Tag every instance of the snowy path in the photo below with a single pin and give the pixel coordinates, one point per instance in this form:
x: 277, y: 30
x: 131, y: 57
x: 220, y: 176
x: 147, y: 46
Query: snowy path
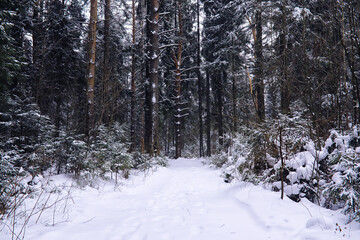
x: 190, y: 201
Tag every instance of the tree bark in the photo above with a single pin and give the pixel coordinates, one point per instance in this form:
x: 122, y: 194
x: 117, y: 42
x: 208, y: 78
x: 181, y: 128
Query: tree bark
x: 91, y: 68
x: 148, y: 105
x: 37, y: 15
x: 154, y: 73
x: 142, y: 14
x: 106, y: 99
x: 282, y: 163
x: 234, y: 97
x: 178, y: 60
x: 208, y: 116
x: 285, y: 91
x: 351, y: 57
x: 38, y: 46
x: 220, y: 105
x: 200, y: 93
x: 133, y: 86
x: 258, y: 78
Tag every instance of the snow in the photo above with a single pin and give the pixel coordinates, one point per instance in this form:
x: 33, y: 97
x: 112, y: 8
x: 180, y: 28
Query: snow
x: 292, y: 189
x: 310, y: 147
x: 78, y: 143
x: 357, y: 150
x: 293, y: 177
x: 301, y: 159
x: 187, y: 200
x: 355, y: 132
x: 270, y: 160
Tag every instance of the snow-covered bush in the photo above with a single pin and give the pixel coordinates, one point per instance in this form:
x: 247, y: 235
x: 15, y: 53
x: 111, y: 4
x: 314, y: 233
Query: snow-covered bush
x: 73, y: 155
x: 326, y: 172
x: 343, y: 190
x: 25, y: 131
x: 109, y: 152
x: 235, y: 161
x: 281, y: 153
x: 145, y: 162
x: 7, y: 173
x: 290, y: 167
x: 25, y: 135
x: 269, y: 149
x: 220, y: 159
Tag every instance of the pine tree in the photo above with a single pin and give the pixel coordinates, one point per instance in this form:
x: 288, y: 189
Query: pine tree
x: 105, y: 103
x: 200, y: 82
x: 59, y: 60
x: 154, y: 73
x: 220, y: 51
x: 90, y: 118
x: 133, y: 77
x: 259, y: 62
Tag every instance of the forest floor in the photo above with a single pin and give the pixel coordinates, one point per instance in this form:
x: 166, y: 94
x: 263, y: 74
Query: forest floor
x: 184, y: 201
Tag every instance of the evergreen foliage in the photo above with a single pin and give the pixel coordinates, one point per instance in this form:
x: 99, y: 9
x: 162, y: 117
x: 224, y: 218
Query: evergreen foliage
x: 342, y: 190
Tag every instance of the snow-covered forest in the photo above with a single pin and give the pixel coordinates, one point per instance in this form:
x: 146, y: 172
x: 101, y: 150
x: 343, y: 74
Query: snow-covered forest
x: 98, y: 95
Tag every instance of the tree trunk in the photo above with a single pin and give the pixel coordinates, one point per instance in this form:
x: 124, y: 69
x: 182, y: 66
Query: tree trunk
x: 208, y: 116
x: 106, y: 100
x: 285, y: 91
x: 57, y: 112
x: 178, y: 110
x: 258, y: 78
x: 350, y: 59
x: 355, y: 44
x: 38, y: 46
x: 201, y: 146
x: 133, y: 87
x: 234, y: 97
x: 282, y: 163
x: 142, y: 15
x: 154, y: 72
x: 220, y: 121
x: 37, y: 16
x: 91, y: 68
x: 148, y: 105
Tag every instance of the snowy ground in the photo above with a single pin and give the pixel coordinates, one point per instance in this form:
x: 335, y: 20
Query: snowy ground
x: 187, y: 200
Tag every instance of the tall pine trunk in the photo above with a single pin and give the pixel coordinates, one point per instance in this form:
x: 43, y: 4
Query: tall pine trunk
x: 106, y: 100
x: 154, y: 73
x: 133, y: 87
x: 38, y: 46
x: 234, y: 96
x: 177, y: 60
x: 143, y: 69
x: 208, y: 116
x: 220, y: 105
x: 200, y: 91
x: 148, y: 105
x: 285, y: 85
x: 90, y: 121
x: 258, y: 78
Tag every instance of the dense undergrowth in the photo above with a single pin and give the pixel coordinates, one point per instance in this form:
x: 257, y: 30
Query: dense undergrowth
x: 32, y: 152
x: 284, y: 156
